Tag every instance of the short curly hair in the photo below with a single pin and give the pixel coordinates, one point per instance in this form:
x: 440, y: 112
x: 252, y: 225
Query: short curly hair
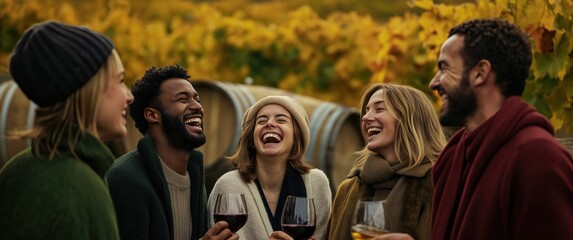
x: 146, y: 90
x: 504, y: 45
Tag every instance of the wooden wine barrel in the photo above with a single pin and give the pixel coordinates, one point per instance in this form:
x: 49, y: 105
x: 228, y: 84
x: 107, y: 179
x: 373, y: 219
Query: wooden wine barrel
x: 18, y: 113
x: 335, y: 132
x: 567, y: 143
x: 335, y: 129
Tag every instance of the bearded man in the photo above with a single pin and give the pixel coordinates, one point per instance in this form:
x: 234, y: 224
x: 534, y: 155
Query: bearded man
x: 158, y: 189
x: 502, y: 175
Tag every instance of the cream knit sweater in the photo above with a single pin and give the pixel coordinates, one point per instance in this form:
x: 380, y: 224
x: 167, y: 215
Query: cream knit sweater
x: 258, y: 226
x: 180, y: 193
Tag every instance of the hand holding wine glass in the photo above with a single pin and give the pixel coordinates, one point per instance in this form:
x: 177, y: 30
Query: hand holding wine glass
x: 231, y: 208
x: 299, y: 218
x: 368, y: 220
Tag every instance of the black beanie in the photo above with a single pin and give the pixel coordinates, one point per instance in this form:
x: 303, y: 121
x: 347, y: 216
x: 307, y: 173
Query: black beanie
x: 52, y: 60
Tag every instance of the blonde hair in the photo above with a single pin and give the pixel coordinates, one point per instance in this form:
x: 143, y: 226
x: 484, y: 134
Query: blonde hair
x: 244, y: 158
x: 419, y: 135
x: 71, y: 117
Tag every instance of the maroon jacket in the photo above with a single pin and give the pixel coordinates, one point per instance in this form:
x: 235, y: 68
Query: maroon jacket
x: 508, y: 179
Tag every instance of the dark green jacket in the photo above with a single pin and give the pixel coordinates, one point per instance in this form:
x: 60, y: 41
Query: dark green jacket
x: 141, y: 196
x: 63, y: 198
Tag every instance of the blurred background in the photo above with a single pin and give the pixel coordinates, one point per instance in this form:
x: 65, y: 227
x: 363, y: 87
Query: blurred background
x: 326, y: 50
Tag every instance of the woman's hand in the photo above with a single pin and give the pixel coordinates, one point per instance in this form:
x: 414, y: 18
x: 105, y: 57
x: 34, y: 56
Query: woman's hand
x: 279, y: 235
x: 220, y: 231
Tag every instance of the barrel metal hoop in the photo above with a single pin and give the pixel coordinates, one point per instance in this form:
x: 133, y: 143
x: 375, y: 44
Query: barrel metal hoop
x: 239, y: 110
x: 248, y: 98
x: 12, y: 87
x: 31, y: 118
x: 318, y: 116
x: 332, y: 128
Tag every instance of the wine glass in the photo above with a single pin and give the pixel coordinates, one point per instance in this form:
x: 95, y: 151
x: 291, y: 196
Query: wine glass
x: 299, y: 218
x: 368, y: 220
x: 231, y: 208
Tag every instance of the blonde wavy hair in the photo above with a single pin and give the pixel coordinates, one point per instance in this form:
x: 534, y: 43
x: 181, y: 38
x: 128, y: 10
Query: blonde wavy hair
x: 419, y: 135
x: 71, y: 117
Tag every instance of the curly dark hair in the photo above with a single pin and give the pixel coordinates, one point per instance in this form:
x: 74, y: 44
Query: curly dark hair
x: 146, y: 90
x: 504, y: 45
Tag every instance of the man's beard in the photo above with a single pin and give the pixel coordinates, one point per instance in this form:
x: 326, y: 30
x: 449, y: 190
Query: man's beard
x: 461, y: 104
x: 177, y: 134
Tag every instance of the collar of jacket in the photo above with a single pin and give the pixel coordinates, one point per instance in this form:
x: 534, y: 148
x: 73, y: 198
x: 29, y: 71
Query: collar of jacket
x: 88, y: 149
x: 152, y: 164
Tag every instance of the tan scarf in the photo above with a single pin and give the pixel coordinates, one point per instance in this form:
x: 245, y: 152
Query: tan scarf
x: 378, y: 173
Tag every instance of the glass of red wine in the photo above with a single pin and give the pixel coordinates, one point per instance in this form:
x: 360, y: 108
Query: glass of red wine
x: 299, y: 218
x: 231, y: 208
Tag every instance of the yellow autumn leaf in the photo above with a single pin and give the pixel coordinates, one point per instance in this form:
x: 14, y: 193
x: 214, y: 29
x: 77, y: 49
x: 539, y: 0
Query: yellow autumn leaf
x: 557, y: 122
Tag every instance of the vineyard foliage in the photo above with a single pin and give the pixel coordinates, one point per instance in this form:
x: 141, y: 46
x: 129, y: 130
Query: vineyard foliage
x: 331, y: 58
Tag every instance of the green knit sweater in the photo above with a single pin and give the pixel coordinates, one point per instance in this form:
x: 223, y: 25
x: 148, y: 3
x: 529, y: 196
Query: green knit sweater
x: 63, y: 198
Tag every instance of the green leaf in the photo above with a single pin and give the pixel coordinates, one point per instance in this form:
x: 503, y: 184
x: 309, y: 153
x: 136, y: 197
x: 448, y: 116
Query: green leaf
x: 423, y: 4
x: 238, y: 57
x: 546, y: 84
x: 541, y: 106
x: 274, y: 76
x: 220, y: 34
x: 326, y: 74
x: 541, y: 65
x: 530, y: 90
x: 563, y: 22
x: 8, y: 36
x: 562, y: 51
x: 291, y: 53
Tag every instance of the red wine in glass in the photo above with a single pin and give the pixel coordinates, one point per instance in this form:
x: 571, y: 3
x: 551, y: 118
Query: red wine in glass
x: 299, y: 218
x: 236, y: 221
x: 231, y: 208
x: 298, y: 231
